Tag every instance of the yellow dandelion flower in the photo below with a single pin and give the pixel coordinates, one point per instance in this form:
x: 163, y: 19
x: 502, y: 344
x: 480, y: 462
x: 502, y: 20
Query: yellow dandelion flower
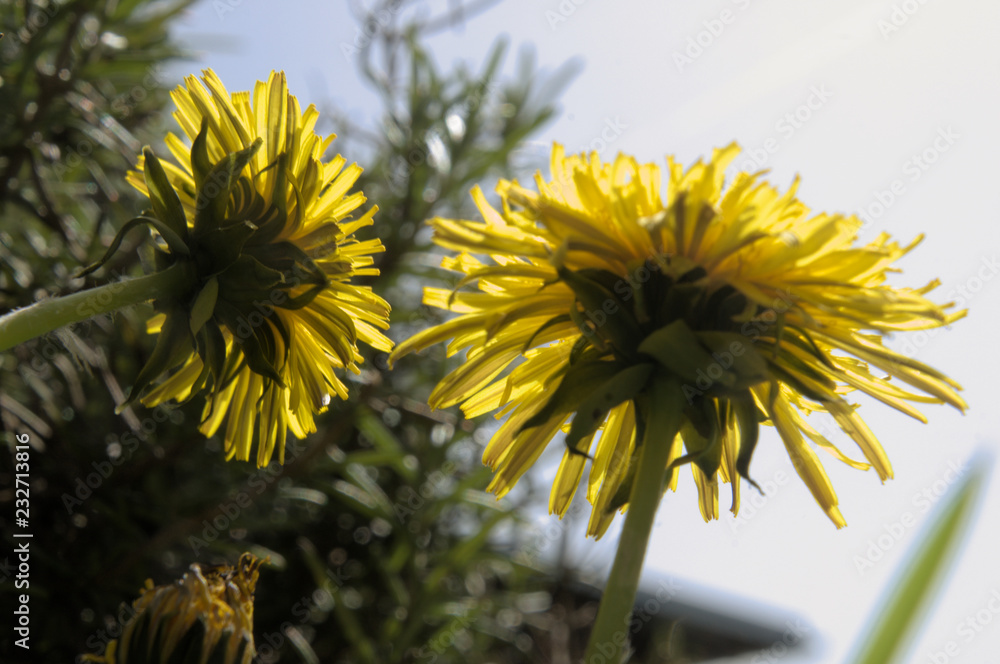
x: 603, y: 304
x: 263, y: 229
x: 207, y: 616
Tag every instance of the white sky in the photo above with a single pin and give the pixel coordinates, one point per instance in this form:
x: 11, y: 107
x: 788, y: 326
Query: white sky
x: 886, y: 97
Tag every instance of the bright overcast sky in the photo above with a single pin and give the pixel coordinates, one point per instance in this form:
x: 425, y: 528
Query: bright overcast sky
x: 888, y: 108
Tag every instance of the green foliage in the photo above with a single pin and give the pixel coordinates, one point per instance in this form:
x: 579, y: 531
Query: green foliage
x: 81, y: 90
x: 902, y: 609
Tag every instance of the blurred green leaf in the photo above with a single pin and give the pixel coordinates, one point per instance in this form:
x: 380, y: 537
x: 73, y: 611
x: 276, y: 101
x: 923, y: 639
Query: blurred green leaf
x: 902, y: 609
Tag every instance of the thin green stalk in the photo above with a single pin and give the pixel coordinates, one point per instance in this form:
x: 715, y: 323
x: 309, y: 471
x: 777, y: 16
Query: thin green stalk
x: 45, y: 316
x: 609, y: 638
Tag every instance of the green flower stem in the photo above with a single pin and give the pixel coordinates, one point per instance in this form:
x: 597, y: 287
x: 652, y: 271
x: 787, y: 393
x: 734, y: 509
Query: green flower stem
x: 609, y: 638
x: 42, y: 317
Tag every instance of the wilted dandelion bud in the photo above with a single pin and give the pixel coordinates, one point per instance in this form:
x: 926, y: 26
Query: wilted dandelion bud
x: 204, y: 618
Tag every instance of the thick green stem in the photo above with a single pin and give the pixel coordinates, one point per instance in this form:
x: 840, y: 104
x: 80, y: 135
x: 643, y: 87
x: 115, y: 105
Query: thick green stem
x: 42, y: 317
x: 609, y: 638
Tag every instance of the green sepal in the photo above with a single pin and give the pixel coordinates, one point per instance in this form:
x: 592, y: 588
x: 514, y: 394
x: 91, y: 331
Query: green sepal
x: 748, y: 366
x: 245, y: 203
x: 605, y: 278
x: 778, y: 368
x: 204, y: 305
x: 624, y: 490
x: 303, y: 299
x: 283, y: 331
x: 200, y: 163
x: 644, y: 418
x: 298, y: 268
x: 693, y: 276
x: 722, y: 306
x: 247, y: 279
x: 235, y: 363
x: 166, y: 205
x: 277, y: 215
x: 289, y: 259
x: 650, y: 292
x: 621, y: 387
x: 212, y: 351
x: 255, y: 341
x: 779, y: 332
x: 578, y: 349
x: 588, y: 333
x: 550, y: 323
x: 702, y: 434
x: 213, y: 195
x: 206, y: 371
x: 748, y: 420
x: 621, y: 327
x: 678, y: 350
x: 219, y: 248
x: 802, y: 339
x: 576, y: 385
x: 172, y: 344
x: 677, y: 217
x: 174, y: 241
x: 678, y: 302
x: 160, y: 259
